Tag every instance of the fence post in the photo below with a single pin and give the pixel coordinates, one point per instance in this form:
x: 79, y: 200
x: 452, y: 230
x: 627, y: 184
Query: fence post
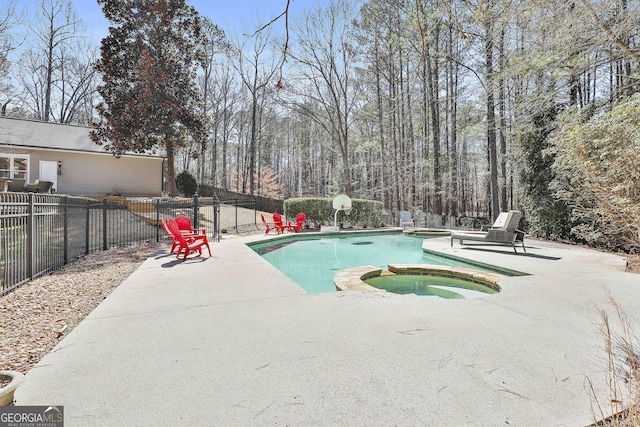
x: 216, y: 217
x: 104, y: 224
x: 66, y: 229
x: 31, y: 237
x: 255, y: 211
x: 236, y: 202
x: 196, y: 209
x: 87, y: 236
x: 157, y: 220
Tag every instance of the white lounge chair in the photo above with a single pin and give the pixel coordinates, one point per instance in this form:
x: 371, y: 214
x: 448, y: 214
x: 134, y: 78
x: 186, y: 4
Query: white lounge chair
x: 503, y: 231
x: 405, y: 219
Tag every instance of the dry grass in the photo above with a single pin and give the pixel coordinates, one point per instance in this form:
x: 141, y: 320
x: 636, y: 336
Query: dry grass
x: 622, y: 348
x: 633, y: 263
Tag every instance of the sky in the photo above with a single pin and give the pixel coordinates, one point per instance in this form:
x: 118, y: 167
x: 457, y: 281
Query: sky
x: 231, y: 15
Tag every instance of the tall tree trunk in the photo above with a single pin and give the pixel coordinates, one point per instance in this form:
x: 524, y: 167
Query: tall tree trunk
x: 453, y: 97
x: 434, y: 110
x: 410, y: 149
x: 491, y: 119
x: 225, y: 142
x: 171, y: 172
x: 379, y: 116
x: 402, y: 158
x: 393, y: 127
x: 425, y: 132
x: 252, y: 143
x: 214, y: 154
x: 503, y: 125
x: 203, y: 144
x: 49, y: 82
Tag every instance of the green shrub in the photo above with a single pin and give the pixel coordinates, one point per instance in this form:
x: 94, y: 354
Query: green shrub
x: 597, y: 174
x: 186, y: 183
x: 548, y: 216
x: 319, y: 211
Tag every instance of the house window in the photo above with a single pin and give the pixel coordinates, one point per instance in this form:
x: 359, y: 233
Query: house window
x: 14, y: 166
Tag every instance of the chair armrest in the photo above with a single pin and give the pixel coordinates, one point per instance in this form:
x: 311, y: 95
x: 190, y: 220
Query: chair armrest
x: 488, y: 227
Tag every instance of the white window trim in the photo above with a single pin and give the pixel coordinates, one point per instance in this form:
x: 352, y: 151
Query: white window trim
x: 12, y: 157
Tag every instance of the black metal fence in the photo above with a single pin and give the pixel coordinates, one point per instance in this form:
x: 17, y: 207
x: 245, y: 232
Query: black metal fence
x: 41, y: 232
x: 265, y: 204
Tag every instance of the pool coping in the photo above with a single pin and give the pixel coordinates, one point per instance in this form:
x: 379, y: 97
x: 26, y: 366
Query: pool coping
x: 430, y: 232
x: 263, y: 238
x: 353, y: 279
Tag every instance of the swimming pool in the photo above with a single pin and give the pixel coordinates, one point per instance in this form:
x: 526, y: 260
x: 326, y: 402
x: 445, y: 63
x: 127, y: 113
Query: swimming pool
x: 312, y: 260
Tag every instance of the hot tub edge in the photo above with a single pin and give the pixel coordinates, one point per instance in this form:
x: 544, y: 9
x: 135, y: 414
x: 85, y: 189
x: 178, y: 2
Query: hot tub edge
x: 353, y: 279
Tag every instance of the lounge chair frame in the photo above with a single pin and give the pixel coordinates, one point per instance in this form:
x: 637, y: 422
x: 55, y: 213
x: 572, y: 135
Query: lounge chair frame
x: 506, y: 234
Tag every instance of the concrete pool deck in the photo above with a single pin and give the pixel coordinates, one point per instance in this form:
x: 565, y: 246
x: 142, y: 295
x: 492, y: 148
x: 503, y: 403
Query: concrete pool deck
x: 229, y: 340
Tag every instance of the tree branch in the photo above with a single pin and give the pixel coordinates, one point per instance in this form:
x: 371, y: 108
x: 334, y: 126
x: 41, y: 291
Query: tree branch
x: 612, y: 36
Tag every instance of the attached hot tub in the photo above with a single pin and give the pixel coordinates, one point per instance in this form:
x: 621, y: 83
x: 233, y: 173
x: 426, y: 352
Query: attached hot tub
x: 420, y: 279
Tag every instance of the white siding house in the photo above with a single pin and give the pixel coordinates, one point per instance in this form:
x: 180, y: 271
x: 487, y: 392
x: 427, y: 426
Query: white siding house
x: 65, y: 155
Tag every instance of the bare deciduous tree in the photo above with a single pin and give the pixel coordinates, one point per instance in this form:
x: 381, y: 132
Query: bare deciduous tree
x: 326, y: 89
x: 8, y: 21
x: 55, y: 28
x: 256, y: 64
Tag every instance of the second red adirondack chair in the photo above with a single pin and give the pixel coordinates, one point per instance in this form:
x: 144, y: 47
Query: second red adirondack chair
x: 186, y: 245
x: 277, y: 219
x: 300, y: 218
x: 184, y: 224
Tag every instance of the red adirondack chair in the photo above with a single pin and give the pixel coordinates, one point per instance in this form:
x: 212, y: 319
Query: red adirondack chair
x: 297, y: 227
x: 184, y: 224
x: 277, y: 218
x: 269, y: 226
x: 187, y: 245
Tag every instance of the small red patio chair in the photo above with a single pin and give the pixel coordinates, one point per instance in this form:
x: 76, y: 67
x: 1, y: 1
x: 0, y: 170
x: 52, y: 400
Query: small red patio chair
x: 174, y: 239
x: 184, y: 224
x: 297, y: 227
x: 277, y: 218
x: 185, y: 247
x: 269, y: 226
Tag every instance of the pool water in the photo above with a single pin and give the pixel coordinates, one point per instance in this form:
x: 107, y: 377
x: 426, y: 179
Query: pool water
x: 429, y: 285
x: 312, y: 261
